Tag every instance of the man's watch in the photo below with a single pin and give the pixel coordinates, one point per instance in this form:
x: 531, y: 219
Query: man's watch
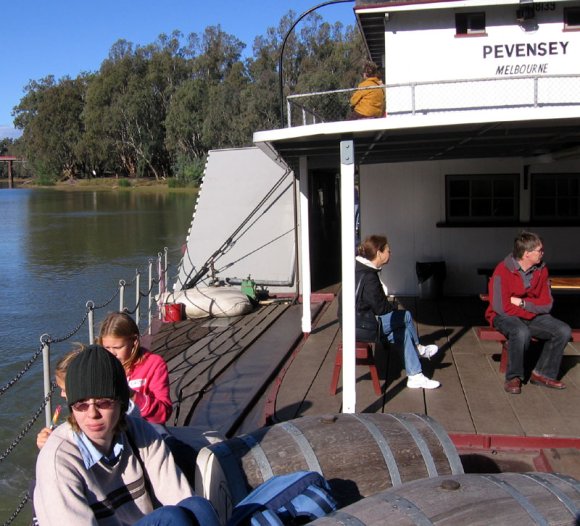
x: 522, y: 303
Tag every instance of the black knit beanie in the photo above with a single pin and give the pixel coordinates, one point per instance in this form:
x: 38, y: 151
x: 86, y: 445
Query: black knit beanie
x: 96, y: 373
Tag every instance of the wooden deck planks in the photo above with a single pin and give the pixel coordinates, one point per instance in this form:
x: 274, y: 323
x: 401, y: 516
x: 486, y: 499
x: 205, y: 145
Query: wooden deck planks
x: 210, y: 357
x: 312, y: 364
x: 471, y: 399
x: 224, y: 404
x: 488, y: 403
x: 447, y: 404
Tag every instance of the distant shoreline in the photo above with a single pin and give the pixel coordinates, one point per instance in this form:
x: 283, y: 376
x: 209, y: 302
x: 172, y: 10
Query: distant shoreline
x: 105, y: 183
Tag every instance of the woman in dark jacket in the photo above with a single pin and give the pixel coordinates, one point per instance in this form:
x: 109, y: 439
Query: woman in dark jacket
x: 396, y: 325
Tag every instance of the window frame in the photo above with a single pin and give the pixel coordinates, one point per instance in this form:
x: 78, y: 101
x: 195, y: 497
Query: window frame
x: 561, y: 194
x: 472, y: 218
x: 470, y: 20
x: 574, y: 11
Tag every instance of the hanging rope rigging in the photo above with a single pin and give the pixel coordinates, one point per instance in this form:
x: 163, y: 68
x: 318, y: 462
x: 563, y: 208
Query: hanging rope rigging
x: 190, y: 281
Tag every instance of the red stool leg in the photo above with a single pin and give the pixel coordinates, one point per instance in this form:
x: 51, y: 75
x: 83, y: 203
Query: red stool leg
x: 336, y: 371
x: 364, y: 356
x: 373, y: 369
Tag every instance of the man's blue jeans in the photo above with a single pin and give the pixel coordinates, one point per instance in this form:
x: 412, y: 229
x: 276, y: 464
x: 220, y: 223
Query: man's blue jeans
x: 519, y: 332
x: 189, y: 512
x: 399, y: 328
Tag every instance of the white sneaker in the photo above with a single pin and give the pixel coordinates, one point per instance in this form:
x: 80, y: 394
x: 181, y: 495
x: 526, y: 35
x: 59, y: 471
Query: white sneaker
x: 420, y: 381
x: 427, y: 351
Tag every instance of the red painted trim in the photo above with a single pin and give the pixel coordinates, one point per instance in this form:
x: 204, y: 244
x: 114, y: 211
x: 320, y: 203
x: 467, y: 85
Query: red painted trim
x: 541, y: 463
x: 507, y: 442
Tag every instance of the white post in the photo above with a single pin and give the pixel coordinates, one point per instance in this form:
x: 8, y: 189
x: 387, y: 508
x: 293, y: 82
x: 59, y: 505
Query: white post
x: 91, y: 321
x: 47, y: 381
x: 121, y: 295
x: 347, y: 255
x: 305, y: 247
x: 137, y: 296
x: 150, y: 296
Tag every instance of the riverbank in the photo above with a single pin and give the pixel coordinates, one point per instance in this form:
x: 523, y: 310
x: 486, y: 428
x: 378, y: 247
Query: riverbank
x: 109, y: 183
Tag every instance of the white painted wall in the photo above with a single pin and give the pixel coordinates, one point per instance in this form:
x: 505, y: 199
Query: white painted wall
x: 426, y: 39
x: 405, y: 201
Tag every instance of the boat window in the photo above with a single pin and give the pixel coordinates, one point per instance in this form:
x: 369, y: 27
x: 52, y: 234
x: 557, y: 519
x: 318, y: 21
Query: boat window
x: 555, y: 197
x: 572, y: 18
x: 482, y: 198
x: 469, y: 24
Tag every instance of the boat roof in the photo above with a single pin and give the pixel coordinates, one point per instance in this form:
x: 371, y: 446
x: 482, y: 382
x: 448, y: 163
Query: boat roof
x: 542, y: 135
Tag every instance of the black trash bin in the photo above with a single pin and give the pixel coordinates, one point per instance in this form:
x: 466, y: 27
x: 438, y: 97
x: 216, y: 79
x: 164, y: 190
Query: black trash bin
x: 431, y: 276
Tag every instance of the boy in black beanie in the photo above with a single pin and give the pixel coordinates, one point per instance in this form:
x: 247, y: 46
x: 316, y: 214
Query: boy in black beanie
x: 103, y: 467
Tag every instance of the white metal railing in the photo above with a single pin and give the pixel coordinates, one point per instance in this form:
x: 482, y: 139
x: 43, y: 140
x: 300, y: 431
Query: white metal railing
x: 517, y: 91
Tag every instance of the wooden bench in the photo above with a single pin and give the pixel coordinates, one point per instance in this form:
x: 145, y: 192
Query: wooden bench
x: 364, y: 356
x: 491, y: 334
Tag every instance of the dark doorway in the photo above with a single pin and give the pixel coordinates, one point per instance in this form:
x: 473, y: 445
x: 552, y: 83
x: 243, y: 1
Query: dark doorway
x: 324, y: 216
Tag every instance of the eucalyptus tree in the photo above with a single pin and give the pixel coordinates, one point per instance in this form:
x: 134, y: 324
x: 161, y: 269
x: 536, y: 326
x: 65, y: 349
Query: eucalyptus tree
x: 50, y: 115
x: 5, y: 144
x: 205, y: 110
x: 317, y: 57
x: 259, y: 99
x: 127, y: 104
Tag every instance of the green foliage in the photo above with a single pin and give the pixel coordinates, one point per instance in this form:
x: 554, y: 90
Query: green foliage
x: 156, y: 110
x: 124, y: 183
x: 188, y: 172
x: 5, y: 145
x: 43, y: 176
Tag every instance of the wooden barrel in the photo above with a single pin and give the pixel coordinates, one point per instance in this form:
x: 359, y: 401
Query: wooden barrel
x: 510, y: 499
x: 359, y: 454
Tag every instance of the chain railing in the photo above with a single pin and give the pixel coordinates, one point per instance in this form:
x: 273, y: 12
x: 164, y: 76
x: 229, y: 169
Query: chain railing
x: 159, y: 266
x: 421, y: 98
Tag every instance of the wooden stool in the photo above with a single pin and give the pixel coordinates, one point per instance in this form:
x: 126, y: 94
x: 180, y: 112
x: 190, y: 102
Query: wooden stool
x: 364, y: 356
x: 491, y: 334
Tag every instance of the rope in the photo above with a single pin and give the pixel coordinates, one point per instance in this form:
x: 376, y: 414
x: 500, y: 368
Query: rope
x: 103, y: 305
x: 22, y: 372
x: 27, y: 427
x: 49, y: 339
x: 18, y: 509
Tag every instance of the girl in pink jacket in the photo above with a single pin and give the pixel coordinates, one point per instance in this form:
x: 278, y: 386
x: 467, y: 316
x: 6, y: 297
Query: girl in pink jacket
x: 146, y: 372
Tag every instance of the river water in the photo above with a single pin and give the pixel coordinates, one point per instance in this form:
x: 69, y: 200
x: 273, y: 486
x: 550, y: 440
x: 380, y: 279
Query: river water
x: 59, y: 249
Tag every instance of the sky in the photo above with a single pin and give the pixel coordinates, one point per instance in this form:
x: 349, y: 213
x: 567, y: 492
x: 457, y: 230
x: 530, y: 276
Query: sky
x: 66, y: 37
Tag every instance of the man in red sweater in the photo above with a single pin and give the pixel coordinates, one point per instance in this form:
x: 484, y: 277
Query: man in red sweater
x: 520, y: 301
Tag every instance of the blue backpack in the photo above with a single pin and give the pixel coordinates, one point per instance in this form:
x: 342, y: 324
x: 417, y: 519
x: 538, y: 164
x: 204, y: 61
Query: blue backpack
x: 295, y: 498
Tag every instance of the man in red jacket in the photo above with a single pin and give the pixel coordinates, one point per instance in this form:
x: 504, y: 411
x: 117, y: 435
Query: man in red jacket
x: 520, y: 301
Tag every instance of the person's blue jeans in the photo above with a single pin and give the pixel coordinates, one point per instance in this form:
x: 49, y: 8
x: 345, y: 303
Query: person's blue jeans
x: 519, y: 332
x: 189, y: 512
x: 398, y: 327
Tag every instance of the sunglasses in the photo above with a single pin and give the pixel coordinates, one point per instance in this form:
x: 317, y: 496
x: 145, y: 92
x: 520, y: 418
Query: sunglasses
x: 102, y: 404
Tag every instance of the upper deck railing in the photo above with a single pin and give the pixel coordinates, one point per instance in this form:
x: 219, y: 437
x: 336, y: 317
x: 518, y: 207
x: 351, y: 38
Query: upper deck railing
x: 443, y: 96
